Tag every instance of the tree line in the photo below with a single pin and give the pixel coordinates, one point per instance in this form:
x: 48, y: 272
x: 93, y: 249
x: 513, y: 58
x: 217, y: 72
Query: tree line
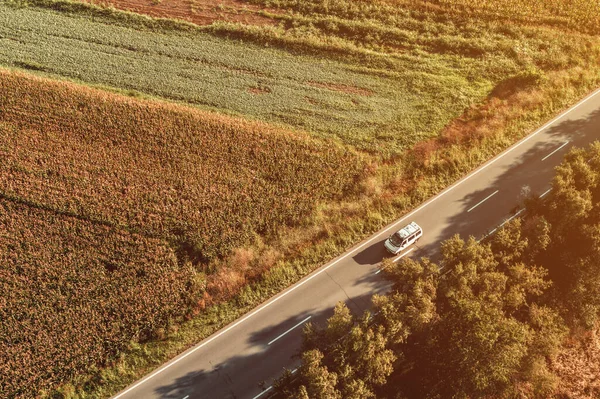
x: 488, y: 324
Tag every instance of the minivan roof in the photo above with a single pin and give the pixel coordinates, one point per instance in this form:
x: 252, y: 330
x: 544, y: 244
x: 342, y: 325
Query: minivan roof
x: 408, y: 230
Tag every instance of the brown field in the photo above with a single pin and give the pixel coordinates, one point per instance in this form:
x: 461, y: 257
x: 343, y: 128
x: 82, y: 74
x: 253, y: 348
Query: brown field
x: 75, y: 293
x: 200, y: 12
x: 114, y: 212
x: 162, y: 171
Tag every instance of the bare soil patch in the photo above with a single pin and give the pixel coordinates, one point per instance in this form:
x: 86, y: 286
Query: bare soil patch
x: 200, y: 12
x: 259, y: 90
x: 343, y: 88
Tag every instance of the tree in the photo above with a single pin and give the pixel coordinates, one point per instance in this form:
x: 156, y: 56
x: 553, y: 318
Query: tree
x: 549, y: 331
x: 318, y: 381
x: 348, y: 358
x: 475, y: 348
x: 574, y: 184
x: 573, y: 214
x: 485, y: 337
x: 412, y: 304
x: 367, y: 353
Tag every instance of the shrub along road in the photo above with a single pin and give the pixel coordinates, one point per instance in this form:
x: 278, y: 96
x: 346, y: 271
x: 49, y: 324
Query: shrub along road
x: 243, y: 358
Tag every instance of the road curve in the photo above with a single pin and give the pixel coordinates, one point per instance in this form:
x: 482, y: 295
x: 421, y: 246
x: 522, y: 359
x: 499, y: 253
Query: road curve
x: 255, y: 348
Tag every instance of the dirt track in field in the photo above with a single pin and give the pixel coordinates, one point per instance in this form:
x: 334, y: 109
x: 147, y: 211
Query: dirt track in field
x: 201, y: 12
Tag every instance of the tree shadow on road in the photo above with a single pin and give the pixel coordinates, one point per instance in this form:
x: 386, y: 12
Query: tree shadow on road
x: 270, y: 350
x: 518, y: 181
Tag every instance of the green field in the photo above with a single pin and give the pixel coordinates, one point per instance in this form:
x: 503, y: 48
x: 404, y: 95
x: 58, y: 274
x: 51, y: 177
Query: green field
x: 375, y: 109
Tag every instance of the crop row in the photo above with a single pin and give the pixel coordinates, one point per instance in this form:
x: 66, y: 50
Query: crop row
x: 160, y: 170
x: 75, y: 293
x: 370, y: 106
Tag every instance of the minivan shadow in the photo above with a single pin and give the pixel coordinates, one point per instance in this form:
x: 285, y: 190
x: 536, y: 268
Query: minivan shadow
x: 372, y: 255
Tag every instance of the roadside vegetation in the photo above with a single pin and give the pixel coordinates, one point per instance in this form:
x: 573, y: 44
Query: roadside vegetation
x: 509, y: 317
x: 412, y: 95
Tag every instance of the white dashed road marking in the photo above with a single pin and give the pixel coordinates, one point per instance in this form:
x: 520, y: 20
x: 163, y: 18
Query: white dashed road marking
x: 483, y: 200
x: 302, y: 322
x: 547, y: 156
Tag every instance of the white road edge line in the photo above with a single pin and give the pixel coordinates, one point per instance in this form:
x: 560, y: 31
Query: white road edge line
x: 483, y: 200
x: 186, y: 396
x: 263, y: 392
x: 547, y: 156
x: 403, y: 255
x: 502, y: 224
x: 353, y: 250
x: 511, y: 218
x: 270, y: 387
x: 545, y: 192
x: 302, y: 322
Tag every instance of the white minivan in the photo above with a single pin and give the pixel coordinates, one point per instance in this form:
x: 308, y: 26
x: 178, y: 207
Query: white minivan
x: 404, y: 237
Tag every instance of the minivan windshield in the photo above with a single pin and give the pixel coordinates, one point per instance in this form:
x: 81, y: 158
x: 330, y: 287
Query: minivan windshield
x: 396, y: 241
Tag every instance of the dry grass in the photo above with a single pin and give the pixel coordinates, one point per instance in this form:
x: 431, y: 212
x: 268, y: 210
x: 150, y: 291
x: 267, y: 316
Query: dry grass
x: 201, y: 12
x: 578, y: 366
x: 207, y: 181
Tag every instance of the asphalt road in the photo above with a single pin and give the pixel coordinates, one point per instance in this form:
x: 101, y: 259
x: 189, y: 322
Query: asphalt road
x: 256, y: 348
